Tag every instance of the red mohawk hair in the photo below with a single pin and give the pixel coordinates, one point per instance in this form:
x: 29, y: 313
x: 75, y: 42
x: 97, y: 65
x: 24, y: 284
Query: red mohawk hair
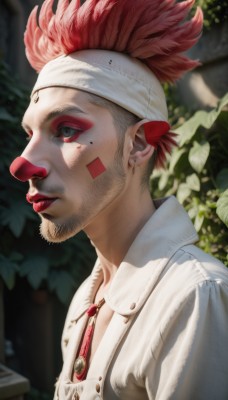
x: 154, y: 31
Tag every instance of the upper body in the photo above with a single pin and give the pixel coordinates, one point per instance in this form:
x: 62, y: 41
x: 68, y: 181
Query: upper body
x: 97, y: 123
x: 168, y: 332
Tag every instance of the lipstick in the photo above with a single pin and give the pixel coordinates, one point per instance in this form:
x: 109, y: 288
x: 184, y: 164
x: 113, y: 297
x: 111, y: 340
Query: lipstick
x: 40, y: 202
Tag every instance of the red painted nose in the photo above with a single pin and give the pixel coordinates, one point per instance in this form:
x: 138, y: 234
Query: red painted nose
x: 23, y: 170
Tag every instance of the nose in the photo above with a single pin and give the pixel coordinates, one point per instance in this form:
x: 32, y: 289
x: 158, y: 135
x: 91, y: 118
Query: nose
x: 23, y: 170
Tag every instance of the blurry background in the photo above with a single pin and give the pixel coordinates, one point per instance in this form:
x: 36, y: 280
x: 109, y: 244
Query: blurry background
x: 38, y: 280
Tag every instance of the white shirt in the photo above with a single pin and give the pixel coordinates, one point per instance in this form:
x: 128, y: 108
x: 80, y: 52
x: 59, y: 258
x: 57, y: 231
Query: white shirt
x: 168, y: 337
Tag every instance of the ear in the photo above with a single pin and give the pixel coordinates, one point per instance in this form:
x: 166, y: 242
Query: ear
x: 141, y: 150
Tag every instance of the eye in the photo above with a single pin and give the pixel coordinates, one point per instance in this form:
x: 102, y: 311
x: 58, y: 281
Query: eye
x: 67, y: 128
x: 68, y: 133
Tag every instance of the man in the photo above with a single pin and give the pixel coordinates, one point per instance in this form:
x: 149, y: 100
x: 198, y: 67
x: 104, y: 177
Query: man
x: 151, y: 321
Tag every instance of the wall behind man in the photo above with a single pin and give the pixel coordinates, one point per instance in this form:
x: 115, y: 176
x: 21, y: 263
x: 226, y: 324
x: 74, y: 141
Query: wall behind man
x: 204, y: 86
x: 13, y: 18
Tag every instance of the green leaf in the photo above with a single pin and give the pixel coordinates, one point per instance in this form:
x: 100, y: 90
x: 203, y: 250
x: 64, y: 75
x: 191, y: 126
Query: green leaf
x: 175, y: 158
x: 8, y: 271
x: 200, y: 118
x: 62, y: 283
x: 192, y: 212
x: 193, y: 182
x: 15, y: 256
x: 5, y: 116
x: 223, y: 102
x: 222, y: 207
x: 183, y: 192
x: 15, y: 215
x: 198, y: 221
x: 198, y: 155
x: 35, y: 268
x: 222, y: 179
x: 18, y: 92
x: 162, y: 183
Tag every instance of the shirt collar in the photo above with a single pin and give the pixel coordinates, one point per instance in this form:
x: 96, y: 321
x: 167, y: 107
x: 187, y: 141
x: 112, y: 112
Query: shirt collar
x: 168, y: 229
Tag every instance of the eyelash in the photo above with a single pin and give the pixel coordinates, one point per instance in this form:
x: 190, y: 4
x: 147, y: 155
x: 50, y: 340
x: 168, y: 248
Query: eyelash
x: 68, y: 139
x: 58, y: 133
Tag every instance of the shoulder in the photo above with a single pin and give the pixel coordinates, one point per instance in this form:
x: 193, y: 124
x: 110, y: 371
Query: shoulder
x: 193, y: 266
x: 191, y: 280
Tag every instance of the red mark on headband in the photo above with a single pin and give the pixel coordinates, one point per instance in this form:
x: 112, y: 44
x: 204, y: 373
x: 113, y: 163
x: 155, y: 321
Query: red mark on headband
x: 23, y: 170
x: 77, y: 125
x: 154, y: 130
x: 96, y: 167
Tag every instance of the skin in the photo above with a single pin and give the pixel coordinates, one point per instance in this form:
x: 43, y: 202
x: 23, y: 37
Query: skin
x: 113, y: 207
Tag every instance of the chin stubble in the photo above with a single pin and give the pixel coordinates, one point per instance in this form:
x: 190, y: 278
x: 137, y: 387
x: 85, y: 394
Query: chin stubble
x: 101, y: 194
x: 54, y: 232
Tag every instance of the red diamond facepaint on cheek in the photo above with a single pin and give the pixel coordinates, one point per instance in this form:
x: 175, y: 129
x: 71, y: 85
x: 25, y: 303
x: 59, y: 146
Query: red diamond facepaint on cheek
x: 96, y: 167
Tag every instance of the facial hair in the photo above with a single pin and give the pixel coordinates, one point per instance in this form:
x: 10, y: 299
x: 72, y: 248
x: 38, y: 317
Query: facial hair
x: 103, y: 191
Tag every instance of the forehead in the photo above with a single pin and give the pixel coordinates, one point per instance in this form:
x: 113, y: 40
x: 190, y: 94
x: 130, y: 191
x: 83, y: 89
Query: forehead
x: 50, y: 102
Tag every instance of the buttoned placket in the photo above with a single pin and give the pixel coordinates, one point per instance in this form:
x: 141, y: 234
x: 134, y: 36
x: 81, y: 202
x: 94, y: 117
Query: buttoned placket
x: 103, y: 356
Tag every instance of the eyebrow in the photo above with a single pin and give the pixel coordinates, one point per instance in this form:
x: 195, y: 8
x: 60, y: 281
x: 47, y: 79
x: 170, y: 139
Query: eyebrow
x: 54, y: 113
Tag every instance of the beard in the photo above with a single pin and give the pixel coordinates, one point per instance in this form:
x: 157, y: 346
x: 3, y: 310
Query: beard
x: 102, y: 192
x: 57, y: 232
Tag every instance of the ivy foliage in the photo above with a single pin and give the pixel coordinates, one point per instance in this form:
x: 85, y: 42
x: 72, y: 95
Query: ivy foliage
x: 23, y: 254
x: 215, y: 11
x: 197, y: 173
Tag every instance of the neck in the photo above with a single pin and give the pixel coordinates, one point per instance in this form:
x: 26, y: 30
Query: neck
x: 117, y: 228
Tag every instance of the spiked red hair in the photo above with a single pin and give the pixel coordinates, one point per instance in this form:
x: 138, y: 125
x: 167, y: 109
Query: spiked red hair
x: 154, y: 31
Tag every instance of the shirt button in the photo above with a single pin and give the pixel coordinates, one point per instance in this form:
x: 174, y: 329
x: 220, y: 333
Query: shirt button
x: 76, y: 396
x: 100, y: 378
x: 132, y: 306
x: 98, y: 388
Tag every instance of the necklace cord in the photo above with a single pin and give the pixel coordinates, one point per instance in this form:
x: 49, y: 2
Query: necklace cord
x: 81, y: 362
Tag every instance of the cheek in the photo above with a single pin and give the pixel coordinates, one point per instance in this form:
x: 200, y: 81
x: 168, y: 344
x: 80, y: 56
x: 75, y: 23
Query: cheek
x: 96, y: 167
x: 84, y: 159
x: 73, y: 155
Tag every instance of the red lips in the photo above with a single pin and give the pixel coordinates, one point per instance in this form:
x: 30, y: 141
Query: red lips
x: 39, y: 201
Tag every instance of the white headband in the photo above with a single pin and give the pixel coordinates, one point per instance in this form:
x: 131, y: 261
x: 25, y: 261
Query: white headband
x: 114, y: 76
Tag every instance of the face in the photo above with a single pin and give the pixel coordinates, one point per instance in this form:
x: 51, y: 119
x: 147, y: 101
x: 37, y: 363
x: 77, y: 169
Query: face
x: 75, y: 144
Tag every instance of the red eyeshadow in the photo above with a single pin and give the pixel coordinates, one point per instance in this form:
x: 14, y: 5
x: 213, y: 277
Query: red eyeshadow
x: 96, y: 167
x: 71, y: 121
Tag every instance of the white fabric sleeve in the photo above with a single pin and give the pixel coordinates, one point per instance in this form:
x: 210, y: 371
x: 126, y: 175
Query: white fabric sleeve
x: 191, y: 362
